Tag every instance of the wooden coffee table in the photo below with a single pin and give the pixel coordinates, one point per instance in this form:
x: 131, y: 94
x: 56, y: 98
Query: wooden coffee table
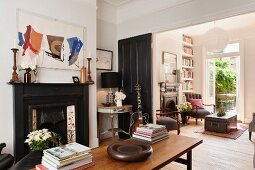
x: 164, y: 152
x: 222, y: 124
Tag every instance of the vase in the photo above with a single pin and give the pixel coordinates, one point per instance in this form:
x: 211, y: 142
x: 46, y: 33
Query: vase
x: 83, y: 75
x: 118, y: 102
x: 27, y: 77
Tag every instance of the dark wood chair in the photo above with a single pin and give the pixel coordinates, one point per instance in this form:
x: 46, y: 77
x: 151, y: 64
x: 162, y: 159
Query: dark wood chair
x: 198, y: 112
x: 168, y: 118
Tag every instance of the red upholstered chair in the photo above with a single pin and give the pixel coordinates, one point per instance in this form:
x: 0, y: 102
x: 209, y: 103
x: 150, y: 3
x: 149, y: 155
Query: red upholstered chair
x: 198, y: 110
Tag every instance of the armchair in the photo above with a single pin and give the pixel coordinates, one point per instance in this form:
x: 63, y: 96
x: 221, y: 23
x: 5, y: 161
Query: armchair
x: 169, y: 119
x: 198, y: 110
x: 6, y: 160
x: 252, y: 126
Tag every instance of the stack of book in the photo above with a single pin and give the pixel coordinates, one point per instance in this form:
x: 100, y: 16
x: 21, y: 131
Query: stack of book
x: 69, y: 156
x: 150, y: 133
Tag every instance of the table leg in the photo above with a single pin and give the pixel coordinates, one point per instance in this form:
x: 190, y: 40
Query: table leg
x: 189, y: 160
x: 112, y: 125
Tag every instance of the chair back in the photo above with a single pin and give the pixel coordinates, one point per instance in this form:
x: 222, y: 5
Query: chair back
x: 190, y: 96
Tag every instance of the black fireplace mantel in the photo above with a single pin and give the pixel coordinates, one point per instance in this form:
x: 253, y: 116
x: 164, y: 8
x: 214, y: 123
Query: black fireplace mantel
x: 25, y: 95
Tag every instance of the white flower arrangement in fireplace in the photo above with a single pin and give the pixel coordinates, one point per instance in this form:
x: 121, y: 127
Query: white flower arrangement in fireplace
x: 42, y: 139
x: 119, y: 96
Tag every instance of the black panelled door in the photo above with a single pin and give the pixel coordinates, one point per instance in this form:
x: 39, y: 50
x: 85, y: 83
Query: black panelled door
x: 135, y: 67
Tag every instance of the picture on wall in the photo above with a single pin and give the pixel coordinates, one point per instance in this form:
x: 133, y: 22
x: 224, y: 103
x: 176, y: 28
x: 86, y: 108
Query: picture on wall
x: 104, y: 59
x: 49, y: 43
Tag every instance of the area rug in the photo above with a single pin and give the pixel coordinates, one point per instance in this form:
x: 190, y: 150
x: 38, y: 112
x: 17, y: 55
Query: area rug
x: 233, y: 134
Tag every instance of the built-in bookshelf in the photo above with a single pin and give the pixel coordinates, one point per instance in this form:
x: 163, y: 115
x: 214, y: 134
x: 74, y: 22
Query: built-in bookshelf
x: 187, y: 64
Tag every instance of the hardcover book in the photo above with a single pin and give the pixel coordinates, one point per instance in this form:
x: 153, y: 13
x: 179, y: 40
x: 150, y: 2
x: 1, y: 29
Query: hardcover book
x: 151, y: 128
x: 67, y: 151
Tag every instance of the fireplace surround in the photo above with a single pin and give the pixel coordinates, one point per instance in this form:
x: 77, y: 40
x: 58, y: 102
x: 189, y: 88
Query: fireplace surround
x: 55, y: 97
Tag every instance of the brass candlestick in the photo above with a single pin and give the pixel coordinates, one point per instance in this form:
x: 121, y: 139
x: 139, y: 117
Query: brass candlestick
x: 89, y: 77
x: 15, y: 78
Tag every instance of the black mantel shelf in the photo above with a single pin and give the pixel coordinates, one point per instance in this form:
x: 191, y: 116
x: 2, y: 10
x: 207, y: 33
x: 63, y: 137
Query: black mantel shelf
x: 27, y: 95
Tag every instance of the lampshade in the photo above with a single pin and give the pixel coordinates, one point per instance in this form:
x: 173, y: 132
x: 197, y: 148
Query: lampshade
x: 111, y: 80
x: 216, y: 40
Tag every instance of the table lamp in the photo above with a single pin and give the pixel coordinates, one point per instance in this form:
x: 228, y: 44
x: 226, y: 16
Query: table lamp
x: 110, y: 80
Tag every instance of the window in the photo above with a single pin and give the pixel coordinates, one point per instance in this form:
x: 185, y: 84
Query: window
x: 230, y: 48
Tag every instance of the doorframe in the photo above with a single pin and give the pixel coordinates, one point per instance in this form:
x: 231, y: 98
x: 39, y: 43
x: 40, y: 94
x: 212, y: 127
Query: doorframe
x: 241, y: 116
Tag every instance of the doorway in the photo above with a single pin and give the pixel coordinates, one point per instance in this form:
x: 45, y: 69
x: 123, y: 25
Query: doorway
x: 222, y: 79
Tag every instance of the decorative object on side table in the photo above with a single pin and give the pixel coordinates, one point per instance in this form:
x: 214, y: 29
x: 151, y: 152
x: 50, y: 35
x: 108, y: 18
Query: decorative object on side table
x: 119, y: 96
x: 221, y: 110
x: 110, y: 80
x: 42, y: 139
x: 15, y: 78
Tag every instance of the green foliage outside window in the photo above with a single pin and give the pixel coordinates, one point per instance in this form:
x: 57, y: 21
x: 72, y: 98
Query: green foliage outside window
x: 225, y: 76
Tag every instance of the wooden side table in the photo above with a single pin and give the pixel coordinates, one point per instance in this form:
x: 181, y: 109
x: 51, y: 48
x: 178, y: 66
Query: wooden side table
x: 113, y: 111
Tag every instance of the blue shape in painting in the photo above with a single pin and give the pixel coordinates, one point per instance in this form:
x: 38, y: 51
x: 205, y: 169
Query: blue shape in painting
x: 75, y: 46
x: 21, y: 40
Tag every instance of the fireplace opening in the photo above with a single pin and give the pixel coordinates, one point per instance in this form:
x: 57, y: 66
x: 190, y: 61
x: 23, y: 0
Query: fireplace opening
x: 169, y: 102
x: 168, y: 96
x: 58, y: 118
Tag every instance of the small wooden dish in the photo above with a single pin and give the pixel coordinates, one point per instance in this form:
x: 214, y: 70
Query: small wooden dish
x: 129, y: 151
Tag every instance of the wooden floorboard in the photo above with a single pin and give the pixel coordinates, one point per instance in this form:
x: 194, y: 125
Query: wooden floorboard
x: 215, y: 153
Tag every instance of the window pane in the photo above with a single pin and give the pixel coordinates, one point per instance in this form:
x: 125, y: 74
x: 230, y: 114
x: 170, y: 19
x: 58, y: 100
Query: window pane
x: 234, y: 47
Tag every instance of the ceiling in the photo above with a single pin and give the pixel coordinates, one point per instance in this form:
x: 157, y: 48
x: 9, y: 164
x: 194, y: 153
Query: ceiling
x: 232, y: 23
x: 117, y: 2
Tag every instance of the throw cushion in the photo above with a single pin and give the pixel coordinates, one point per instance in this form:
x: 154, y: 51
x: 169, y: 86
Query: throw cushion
x: 196, y: 103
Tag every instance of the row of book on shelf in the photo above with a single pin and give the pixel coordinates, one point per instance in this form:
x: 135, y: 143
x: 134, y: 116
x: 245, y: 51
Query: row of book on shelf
x: 72, y: 156
x: 187, y: 62
x: 187, y: 73
x: 150, y: 133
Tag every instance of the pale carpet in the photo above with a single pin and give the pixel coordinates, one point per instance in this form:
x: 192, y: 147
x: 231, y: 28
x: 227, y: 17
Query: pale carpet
x: 234, y: 133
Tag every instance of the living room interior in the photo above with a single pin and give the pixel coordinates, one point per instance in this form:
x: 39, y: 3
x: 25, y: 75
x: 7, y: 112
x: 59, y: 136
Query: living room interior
x: 107, y: 22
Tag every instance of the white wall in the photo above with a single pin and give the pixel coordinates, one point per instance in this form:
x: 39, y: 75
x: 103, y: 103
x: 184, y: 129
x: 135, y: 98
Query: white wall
x: 164, y: 44
x: 106, y: 39
x: 249, y: 78
x: 75, y: 11
x: 185, y: 14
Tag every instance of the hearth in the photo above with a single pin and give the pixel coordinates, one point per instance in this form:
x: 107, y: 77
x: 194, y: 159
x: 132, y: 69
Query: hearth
x: 168, y: 96
x: 62, y: 108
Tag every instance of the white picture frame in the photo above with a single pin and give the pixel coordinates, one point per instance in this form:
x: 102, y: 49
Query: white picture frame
x: 104, y: 59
